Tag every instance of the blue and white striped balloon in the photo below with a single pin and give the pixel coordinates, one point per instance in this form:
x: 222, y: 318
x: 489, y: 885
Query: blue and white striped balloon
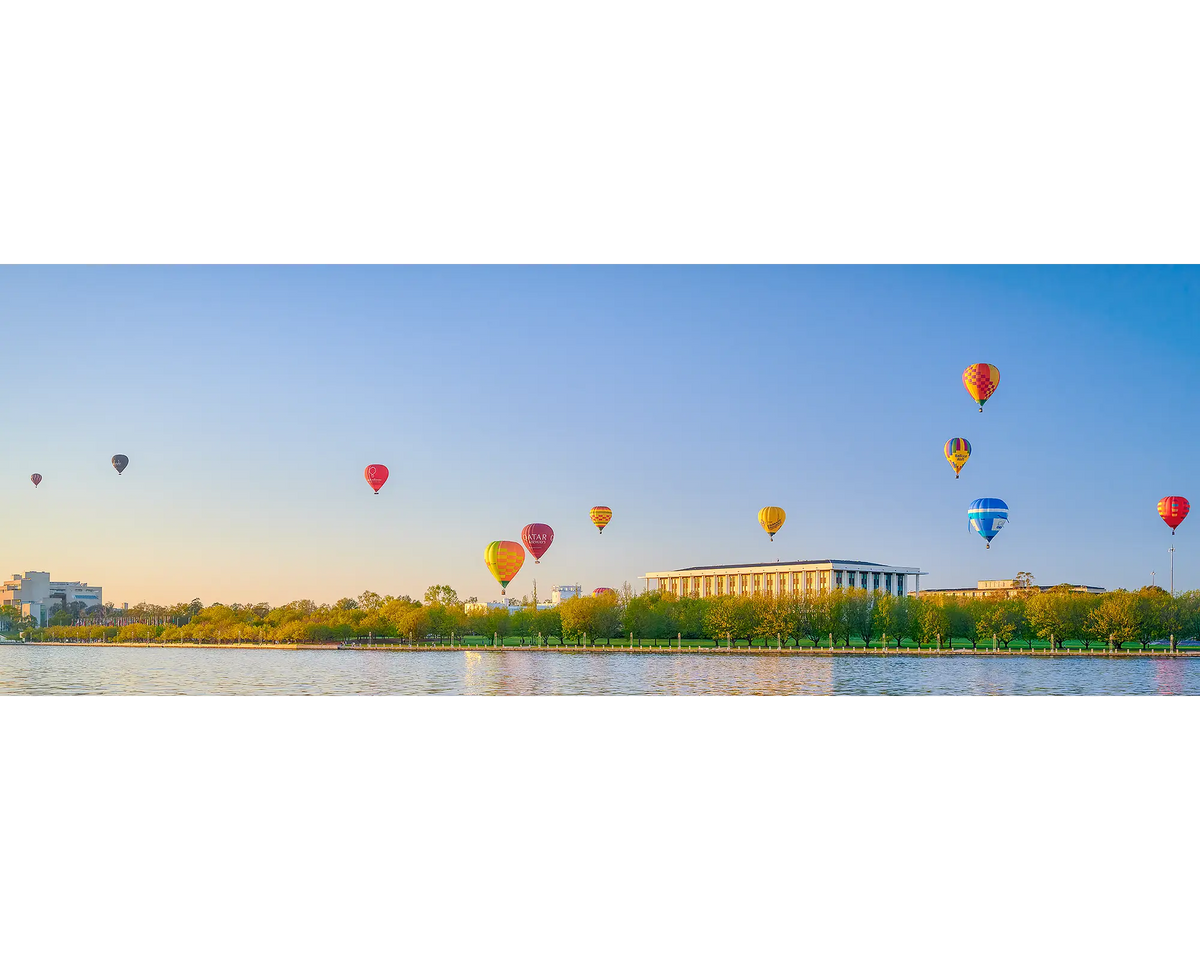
x: 987, y: 516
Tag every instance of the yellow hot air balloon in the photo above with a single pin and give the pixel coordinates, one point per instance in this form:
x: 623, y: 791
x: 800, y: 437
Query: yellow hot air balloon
x: 504, y: 558
x: 600, y: 517
x: 957, y: 451
x: 771, y: 519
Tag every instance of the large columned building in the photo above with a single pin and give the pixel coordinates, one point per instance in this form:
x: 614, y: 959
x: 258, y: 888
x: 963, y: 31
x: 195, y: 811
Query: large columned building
x: 794, y: 578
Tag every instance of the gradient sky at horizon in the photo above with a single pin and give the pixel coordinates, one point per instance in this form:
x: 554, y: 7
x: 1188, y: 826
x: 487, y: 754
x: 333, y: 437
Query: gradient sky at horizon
x: 250, y: 399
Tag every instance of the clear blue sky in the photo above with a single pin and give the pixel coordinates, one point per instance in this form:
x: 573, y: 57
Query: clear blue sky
x: 249, y: 400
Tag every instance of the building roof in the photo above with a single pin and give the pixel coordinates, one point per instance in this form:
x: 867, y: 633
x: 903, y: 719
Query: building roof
x: 786, y: 563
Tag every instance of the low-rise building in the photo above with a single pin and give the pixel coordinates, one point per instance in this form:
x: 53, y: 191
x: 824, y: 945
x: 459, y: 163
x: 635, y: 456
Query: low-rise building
x: 998, y: 589
x: 37, y: 595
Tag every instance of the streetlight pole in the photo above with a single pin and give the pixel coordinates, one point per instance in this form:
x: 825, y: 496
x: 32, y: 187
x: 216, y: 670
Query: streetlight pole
x: 1172, y: 552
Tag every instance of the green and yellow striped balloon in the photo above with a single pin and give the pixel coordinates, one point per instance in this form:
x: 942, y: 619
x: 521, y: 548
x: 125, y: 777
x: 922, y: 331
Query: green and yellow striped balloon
x: 504, y: 558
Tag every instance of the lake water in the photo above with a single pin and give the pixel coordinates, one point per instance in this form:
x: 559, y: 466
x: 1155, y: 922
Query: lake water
x: 159, y: 670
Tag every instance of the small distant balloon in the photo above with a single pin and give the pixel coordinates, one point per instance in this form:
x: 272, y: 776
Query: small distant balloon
x: 1173, y: 510
x: 771, y: 519
x: 981, y: 381
x: 602, y: 591
x: 987, y: 517
x: 377, y: 474
x: 600, y: 517
x: 36, y: 478
x: 957, y: 451
x: 537, y: 538
x: 504, y: 558
x: 120, y: 461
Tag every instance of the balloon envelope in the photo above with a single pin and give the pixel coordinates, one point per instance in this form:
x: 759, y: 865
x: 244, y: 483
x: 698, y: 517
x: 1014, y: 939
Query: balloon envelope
x: 987, y: 517
x: 981, y: 380
x: 600, y: 517
x: 771, y: 519
x: 504, y: 558
x: 601, y: 591
x: 36, y: 478
x: 376, y: 474
x: 537, y: 538
x: 957, y: 451
x: 120, y: 461
x: 1173, y: 510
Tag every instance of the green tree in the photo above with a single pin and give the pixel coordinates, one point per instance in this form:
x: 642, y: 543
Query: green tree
x: 935, y: 624
x: 1120, y: 617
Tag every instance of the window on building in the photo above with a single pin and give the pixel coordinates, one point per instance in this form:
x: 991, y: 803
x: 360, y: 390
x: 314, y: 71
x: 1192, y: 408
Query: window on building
x: 808, y: 583
x: 708, y: 586
x: 824, y: 580
x: 876, y: 581
x: 899, y: 584
x: 745, y: 584
x: 887, y: 583
x: 675, y: 585
x: 837, y: 579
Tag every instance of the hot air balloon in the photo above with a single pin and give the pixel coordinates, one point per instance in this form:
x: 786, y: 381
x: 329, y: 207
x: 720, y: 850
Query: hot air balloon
x: 987, y: 516
x: 36, y: 478
x: 981, y: 380
x: 504, y: 558
x: 601, y: 591
x: 957, y: 451
x: 376, y: 474
x: 600, y: 517
x: 1173, y: 510
x: 771, y: 519
x: 120, y: 461
x: 537, y: 538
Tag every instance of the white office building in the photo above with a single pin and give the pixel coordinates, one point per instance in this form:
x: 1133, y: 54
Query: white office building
x: 37, y: 595
x: 794, y: 578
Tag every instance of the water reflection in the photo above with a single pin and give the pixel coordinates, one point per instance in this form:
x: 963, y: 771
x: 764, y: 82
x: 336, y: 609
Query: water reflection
x: 159, y: 670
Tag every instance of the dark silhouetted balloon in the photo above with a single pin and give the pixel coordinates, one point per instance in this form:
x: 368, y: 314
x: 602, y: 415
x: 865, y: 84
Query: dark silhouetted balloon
x: 120, y: 461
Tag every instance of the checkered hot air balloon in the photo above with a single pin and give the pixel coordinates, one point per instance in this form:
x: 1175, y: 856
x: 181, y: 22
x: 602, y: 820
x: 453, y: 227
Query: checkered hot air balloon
x: 600, y: 517
x: 987, y: 517
x: 771, y: 519
x: 957, y: 451
x: 981, y: 380
x: 1173, y: 510
x: 504, y: 558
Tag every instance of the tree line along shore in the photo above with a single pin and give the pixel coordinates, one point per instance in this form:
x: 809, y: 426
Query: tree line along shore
x: 1057, y: 618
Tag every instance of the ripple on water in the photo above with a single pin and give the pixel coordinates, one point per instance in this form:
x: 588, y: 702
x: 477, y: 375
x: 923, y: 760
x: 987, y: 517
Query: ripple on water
x: 162, y: 670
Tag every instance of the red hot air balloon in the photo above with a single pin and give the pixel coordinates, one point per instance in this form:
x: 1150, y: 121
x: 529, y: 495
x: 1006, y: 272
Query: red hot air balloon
x: 601, y: 591
x: 537, y: 538
x: 1173, y: 510
x: 376, y: 475
x: 36, y: 478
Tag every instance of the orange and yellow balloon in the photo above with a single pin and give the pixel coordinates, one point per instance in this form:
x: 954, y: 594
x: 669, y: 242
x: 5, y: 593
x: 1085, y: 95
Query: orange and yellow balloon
x: 981, y: 381
x: 771, y: 519
x: 504, y: 558
x: 958, y: 451
x: 600, y: 517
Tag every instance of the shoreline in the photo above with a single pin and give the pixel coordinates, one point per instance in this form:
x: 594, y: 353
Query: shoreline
x: 674, y: 651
